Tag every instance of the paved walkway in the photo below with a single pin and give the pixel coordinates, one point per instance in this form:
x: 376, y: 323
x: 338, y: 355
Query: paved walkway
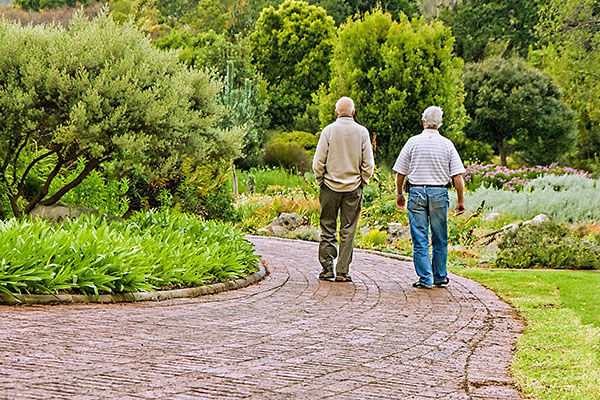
x: 287, y: 337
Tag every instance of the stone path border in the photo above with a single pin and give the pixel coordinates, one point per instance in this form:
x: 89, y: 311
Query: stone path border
x: 23, y: 299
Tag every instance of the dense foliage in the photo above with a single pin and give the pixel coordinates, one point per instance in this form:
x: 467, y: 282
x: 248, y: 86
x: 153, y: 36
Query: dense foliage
x: 394, y: 70
x: 547, y: 245
x: 517, y: 108
x: 571, y: 33
x: 501, y: 177
x: 485, y: 28
x: 99, y: 92
x: 291, y: 47
x: 91, y: 256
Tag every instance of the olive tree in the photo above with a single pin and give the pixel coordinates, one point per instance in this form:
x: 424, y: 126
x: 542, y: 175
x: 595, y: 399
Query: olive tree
x: 99, y: 92
x: 517, y: 108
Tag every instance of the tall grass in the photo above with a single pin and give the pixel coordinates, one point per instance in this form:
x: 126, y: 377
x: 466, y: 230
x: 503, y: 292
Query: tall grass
x: 276, y: 181
x: 567, y: 198
x: 90, y: 255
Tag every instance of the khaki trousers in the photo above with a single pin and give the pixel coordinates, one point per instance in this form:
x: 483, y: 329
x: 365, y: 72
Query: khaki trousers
x: 347, y: 204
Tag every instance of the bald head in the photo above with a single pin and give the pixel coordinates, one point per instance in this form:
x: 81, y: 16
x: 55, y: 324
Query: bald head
x: 344, y: 107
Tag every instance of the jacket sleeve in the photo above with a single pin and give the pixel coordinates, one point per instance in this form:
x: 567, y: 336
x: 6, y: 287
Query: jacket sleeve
x: 320, y: 158
x: 368, y: 163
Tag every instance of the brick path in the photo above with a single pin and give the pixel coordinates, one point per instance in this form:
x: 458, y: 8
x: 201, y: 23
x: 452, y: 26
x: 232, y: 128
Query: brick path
x: 287, y: 337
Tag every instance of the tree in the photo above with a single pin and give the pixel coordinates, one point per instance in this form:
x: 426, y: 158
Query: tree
x: 340, y: 10
x: 509, y: 101
x: 393, y: 71
x: 99, y: 92
x: 36, y: 5
x: 571, y: 54
x: 492, y: 27
x: 291, y: 47
x: 243, y: 90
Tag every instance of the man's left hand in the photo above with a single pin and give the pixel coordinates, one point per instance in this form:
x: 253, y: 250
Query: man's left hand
x: 400, y: 201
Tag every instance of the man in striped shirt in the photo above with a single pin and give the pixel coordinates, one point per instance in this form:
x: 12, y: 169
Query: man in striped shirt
x: 429, y: 161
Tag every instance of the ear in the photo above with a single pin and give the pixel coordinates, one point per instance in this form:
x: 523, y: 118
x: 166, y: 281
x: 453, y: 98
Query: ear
x: 336, y: 113
x: 352, y: 113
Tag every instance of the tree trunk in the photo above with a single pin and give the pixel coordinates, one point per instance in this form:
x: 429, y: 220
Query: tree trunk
x: 14, y: 205
x: 502, y: 150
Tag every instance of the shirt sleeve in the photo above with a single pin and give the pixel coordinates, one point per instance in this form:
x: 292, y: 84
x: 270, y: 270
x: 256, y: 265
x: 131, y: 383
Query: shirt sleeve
x: 402, y: 164
x: 456, y: 165
x: 320, y: 157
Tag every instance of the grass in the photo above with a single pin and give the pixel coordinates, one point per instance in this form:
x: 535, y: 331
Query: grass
x: 558, y: 357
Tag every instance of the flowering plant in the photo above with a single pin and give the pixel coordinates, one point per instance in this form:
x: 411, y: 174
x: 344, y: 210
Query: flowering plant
x: 501, y: 177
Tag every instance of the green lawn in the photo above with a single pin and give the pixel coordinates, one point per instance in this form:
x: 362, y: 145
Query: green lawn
x: 558, y: 357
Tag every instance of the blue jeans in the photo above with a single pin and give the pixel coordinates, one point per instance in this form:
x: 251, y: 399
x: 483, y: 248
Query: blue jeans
x: 428, y: 209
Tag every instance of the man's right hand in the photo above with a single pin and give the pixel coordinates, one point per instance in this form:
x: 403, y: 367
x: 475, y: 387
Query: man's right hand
x: 460, y: 208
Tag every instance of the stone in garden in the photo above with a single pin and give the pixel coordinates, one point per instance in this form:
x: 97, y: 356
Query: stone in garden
x: 492, y: 216
x: 364, y: 230
x: 514, y: 226
x: 285, y: 223
x: 396, y: 231
x: 538, y: 219
x: 60, y: 211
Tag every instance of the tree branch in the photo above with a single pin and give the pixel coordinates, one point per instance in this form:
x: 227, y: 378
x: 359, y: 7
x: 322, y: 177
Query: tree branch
x: 89, y: 167
x: 21, y: 185
x: 44, y: 190
x: 16, y: 157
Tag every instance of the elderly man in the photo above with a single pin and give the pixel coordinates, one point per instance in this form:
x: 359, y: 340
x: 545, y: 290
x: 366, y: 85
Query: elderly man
x: 343, y: 164
x: 430, y: 161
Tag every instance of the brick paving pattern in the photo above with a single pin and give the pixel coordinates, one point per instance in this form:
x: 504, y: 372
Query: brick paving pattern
x: 290, y: 336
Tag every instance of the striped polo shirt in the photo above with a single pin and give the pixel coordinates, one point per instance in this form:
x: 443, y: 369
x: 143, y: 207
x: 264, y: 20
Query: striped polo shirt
x: 429, y: 159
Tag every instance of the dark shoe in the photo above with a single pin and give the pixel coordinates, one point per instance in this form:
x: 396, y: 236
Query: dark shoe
x: 343, y: 278
x: 420, y: 285
x: 327, y: 273
x: 443, y: 283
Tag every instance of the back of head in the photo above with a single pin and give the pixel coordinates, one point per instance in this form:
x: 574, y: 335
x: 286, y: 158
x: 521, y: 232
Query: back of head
x: 432, y: 116
x: 344, y: 107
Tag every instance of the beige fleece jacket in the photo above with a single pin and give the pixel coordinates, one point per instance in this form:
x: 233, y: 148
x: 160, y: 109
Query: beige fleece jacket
x: 344, y: 158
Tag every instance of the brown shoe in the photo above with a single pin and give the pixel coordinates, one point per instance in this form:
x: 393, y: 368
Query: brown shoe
x: 343, y: 278
x: 327, y: 273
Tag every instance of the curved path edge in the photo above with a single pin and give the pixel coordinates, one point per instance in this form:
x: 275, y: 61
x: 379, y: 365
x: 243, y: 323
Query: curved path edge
x: 27, y: 299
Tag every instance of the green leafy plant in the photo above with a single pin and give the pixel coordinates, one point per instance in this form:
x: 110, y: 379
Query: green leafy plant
x: 547, y: 245
x: 91, y: 255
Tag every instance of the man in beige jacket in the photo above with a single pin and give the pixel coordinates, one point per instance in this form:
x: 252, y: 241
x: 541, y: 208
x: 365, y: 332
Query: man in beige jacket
x: 343, y: 164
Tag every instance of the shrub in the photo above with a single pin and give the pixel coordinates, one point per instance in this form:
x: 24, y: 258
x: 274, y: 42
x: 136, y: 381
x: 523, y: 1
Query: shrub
x: 547, y: 245
x: 501, y: 177
x: 90, y: 255
x: 576, y: 199
x: 306, y: 140
x: 374, y: 239
x: 286, y: 155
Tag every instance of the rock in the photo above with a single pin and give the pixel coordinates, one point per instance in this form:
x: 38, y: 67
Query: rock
x: 492, y: 216
x: 285, y: 223
x: 364, y: 230
x: 514, y: 226
x: 60, y: 211
x: 396, y: 231
x: 538, y: 219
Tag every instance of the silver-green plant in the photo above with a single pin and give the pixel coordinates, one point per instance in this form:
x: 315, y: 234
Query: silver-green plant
x: 566, y: 198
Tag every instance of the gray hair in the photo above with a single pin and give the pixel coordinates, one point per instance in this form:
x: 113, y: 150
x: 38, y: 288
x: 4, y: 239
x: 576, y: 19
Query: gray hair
x: 344, y: 106
x: 432, y: 116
